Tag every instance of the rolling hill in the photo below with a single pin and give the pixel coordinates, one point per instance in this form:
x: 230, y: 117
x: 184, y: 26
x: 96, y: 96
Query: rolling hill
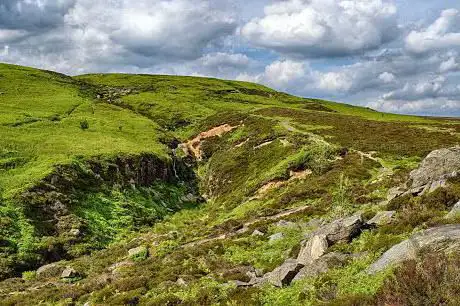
x: 121, y: 189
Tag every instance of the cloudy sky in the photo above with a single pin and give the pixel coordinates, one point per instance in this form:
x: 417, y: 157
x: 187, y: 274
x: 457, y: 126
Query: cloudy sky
x: 393, y: 55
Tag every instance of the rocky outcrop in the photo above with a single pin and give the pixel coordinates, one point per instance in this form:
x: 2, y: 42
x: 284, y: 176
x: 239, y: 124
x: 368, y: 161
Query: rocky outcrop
x: 322, y: 265
x: 444, y: 238
x: 454, y: 212
x: 284, y: 274
x: 381, y: 218
x: 435, y: 169
x: 312, y: 259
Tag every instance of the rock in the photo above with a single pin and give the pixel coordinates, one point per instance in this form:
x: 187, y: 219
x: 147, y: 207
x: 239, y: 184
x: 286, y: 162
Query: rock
x: 444, y: 238
x: 381, y: 218
x: 257, y: 233
x: 394, y: 193
x: 50, y: 270
x: 117, y: 267
x: 140, y: 252
x: 284, y: 274
x: 241, y: 284
x: 75, y: 232
x: 69, y: 273
x: 283, y: 223
x: 275, y: 237
x: 342, y: 230
x: 435, y: 169
x: 314, y: 248
x: 181, y: 282
x: 454, y: 212
x: 322, y: 265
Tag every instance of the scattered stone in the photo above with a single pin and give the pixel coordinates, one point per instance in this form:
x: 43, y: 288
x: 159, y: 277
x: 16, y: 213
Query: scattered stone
x: 241, y: 284
x: 140, y: 252
x: 276, y: 237
x: 342, y: 230
x: 454, y: 212
x: 257, y: 233
x: 435, y: 169
x: 322, y: 265
x: 382, y: 218
x: 181, y: 282
x: 394, y: 193
x: 284, y: 274
x: 75, y: 232
x: 313, y: 249
x: 69, y: 273
x: 50, y: 270
x: 117, y: 267
x: 444, y: 238
x: 283, y: 223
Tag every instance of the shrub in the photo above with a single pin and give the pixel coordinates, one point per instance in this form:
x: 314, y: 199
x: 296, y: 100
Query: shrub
x: 84, y: 125
x: 29, y: 275
x: 434, y: 279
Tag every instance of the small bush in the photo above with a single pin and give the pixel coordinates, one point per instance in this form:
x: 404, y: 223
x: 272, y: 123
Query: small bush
x: 29, y: 275
x: 432, y: 280
x: 84, y: 125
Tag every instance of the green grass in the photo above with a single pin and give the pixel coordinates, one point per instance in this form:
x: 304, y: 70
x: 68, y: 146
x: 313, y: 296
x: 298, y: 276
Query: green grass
x: 91, y: 128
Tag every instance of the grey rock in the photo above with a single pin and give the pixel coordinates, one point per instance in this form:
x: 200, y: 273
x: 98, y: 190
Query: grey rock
x: 140, y: 251
x: 322, y: 265
x: 69, y: 273
x: 394, y: 193
x: 314, y: 248
x: 117, y: 267
x: 283, y: 223
x: 342, y: 230
x: 444, y: 238
x: 284, y: 274
x: 382, y: 218
x: 50, y: 270
x: 454, y: 212
x: 438, y: 166
x: 257, y: 233
x: 276, y: 237
x: 181, y: 282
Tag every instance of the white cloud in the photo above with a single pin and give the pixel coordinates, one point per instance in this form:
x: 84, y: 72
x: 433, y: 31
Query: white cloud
x: 324, y: 27
x: 448, y: 65
x: 281, y: 74
x: 437, y: 36
x: 7, y: 35
x: 387, y: 77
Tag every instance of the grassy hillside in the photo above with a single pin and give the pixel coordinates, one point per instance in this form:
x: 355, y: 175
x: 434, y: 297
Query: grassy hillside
x: 91, y: 167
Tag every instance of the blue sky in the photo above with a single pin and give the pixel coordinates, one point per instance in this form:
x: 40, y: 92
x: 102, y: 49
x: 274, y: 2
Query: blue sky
x: 393, y: 55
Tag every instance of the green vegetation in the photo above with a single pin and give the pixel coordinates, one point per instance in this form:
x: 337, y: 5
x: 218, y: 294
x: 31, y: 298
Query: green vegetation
x: 92, y: 167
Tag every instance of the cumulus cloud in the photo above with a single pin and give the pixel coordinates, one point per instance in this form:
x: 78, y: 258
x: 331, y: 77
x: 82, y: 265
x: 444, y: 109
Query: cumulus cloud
x: 438, y: 36
x: 317, y: 28
x: 102, y: 35
x: 387, y: 77
x: 33, y: 15
x: 282, y: 74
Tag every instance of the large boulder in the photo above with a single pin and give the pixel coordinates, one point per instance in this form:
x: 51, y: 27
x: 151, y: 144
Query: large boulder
x: 435, y: 169
x: 342, y: 230
x: 323, y: 264
x: 314, y: 248
x: 444, y: 238
x: 454, y: 212
x: 381, y: 218
x: 282, y: 275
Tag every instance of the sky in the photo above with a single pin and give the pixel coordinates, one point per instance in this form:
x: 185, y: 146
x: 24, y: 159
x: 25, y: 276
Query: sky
x: 400, y: 56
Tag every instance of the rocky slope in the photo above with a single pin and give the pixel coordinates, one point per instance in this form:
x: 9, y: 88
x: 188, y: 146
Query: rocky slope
x: 161, y: 190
